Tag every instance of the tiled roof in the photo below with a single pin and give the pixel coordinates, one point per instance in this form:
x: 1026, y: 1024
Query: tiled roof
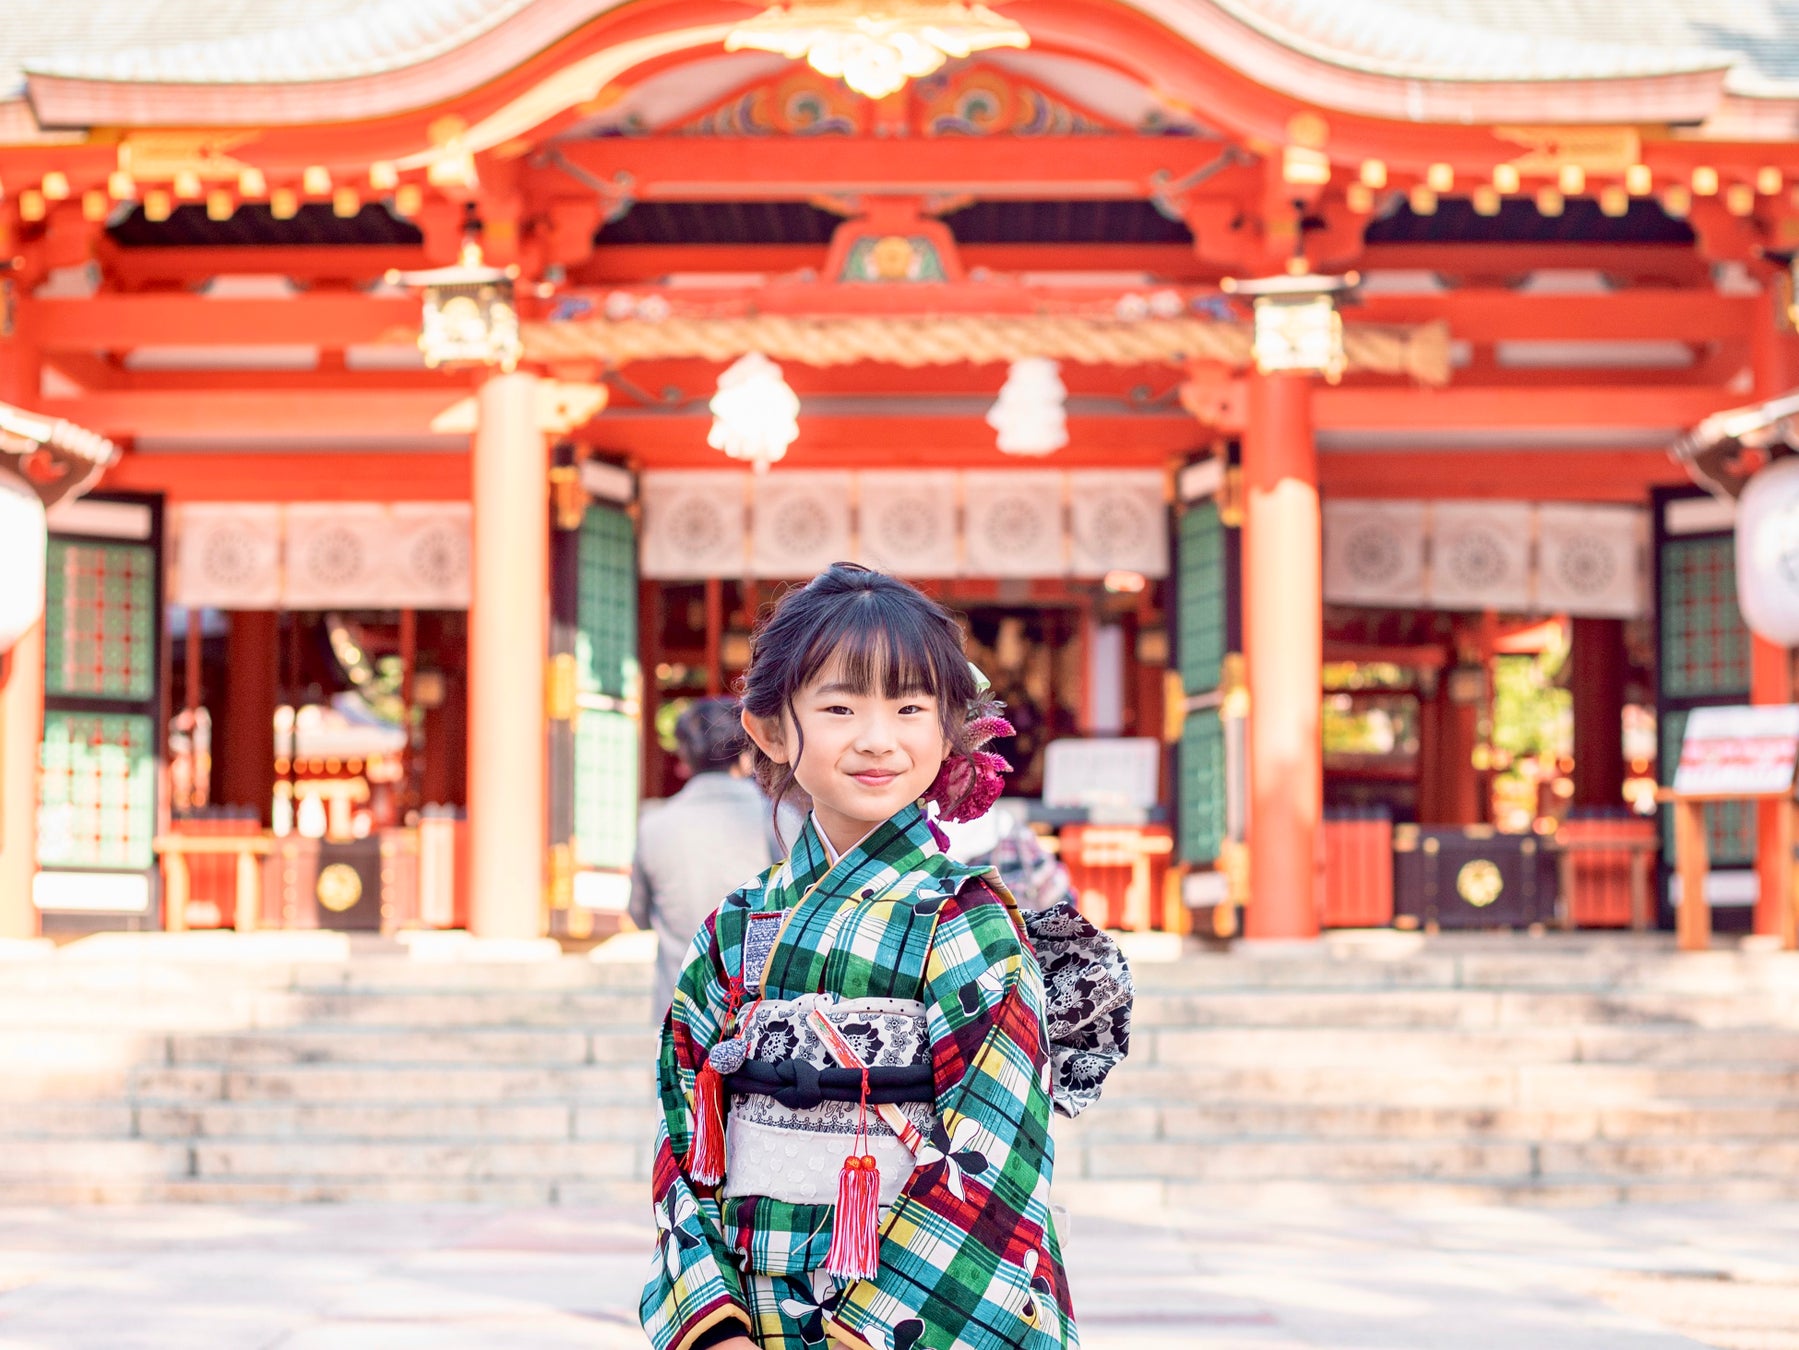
x: 1543, y: 39
x: 234, y: 41
x: 281, y: 41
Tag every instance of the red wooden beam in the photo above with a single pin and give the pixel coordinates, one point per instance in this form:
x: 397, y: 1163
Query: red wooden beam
x: 1671, y: 263
x: 1539, y: 475
x: 133, y: 267
x: 1502, y: 316
x: 708, y: 168
x: 618, y: 264
x: 294, y: 477
x: 662, y: 441
x: 1571, y: 406
x: 226, y: 413
x: 121, y: 322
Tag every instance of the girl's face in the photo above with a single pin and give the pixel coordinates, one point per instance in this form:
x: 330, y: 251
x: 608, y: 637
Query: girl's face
x: 862, y: 756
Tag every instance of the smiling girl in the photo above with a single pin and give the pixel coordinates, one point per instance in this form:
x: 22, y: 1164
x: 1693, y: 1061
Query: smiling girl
x: 855, y: 1074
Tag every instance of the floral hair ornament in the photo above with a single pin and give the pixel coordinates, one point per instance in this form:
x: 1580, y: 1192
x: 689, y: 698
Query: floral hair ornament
x: 967, y: 785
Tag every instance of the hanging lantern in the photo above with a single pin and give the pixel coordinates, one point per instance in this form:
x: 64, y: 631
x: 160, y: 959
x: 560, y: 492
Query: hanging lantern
x: 1297, y: 326
x: 1031, y: 414
x: 755, y: 414
x: 1767, y: 548
x: 23, y: 537
x: 469, y: 317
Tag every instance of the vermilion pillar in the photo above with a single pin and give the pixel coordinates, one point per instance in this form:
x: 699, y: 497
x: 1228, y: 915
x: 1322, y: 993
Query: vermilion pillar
x: 508, y: 639
x: 1770, y: 681
x: 22, y: 670
x: 1283, y: 629
x: 1774, y: 357
x: 21, y: 729
x: 245, y: 734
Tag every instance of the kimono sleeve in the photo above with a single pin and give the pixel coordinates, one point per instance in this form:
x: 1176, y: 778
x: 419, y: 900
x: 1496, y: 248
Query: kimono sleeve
x: 694, y: 1286
x: 969, y: 1256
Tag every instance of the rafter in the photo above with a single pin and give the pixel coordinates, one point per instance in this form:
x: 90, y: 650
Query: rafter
x: 702, y: 168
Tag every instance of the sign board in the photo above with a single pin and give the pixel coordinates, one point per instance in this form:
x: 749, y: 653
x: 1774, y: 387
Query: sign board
x: 1738, y: 752
x: 1102, y: 772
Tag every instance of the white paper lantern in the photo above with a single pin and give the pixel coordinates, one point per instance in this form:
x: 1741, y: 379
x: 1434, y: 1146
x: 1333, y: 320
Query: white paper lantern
x: 1768, y: 553
x: 755, y: 414
x: 1031, y: 413
x: 23, y: 537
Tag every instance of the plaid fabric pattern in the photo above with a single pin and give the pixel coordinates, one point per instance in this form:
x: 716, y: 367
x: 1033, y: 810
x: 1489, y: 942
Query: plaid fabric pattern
x: 969, y: 1259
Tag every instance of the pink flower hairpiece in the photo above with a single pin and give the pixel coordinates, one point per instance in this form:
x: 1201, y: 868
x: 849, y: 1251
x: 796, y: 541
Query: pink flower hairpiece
x: 967, y: 786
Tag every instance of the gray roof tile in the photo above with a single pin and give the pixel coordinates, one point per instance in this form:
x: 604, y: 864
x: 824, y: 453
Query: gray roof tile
x: 281, y: 41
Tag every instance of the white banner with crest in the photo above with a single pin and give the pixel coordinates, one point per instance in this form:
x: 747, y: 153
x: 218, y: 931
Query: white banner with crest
x: 800, y: 522
x: 1118, y: 521
x: 693, y: 524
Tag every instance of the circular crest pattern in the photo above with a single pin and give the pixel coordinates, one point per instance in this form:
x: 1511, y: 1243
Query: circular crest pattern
x: 1372, y: 553
x: 1016, y: 522
x: 1478, y: 559
x: 1586, y: 566
x: 908, y: 524
x: 696, y: 525
x: 1116, y: 525
x: 335, y: 555
x: 339, y: 887
x: 439, y: 555
x: 231, y: 556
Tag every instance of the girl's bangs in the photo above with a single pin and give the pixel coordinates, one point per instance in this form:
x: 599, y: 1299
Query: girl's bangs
x: 873, y: 643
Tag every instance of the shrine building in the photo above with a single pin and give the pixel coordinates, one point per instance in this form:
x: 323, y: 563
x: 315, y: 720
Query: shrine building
x: 411, y: 404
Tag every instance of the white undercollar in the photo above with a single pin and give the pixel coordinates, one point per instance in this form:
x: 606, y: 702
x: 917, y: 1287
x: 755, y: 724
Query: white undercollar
x: 832, y: 856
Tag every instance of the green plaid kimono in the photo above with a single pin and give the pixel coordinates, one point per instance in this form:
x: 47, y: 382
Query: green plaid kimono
x: 968, y: 1257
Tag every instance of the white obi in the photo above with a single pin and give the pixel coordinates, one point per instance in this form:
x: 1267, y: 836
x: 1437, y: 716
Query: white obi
x: 795, y: 1155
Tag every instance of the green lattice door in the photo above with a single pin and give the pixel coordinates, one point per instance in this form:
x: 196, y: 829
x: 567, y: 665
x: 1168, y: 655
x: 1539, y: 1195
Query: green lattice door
x: 608, y: 688
x: 97, y: 809
x: 1207, y: 632
x: 1702, y: 657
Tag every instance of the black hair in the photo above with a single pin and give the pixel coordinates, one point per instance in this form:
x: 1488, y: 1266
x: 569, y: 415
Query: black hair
x: 885, y: 633
x: 709, y: 737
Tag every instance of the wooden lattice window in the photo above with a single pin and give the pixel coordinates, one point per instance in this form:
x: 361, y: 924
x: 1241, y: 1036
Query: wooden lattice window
x: 100, y: 600
x: 1704, y: 642
x: 606, y: 640
x: 606, y: 737
x: 98, y: 796
x: 1203, y: 635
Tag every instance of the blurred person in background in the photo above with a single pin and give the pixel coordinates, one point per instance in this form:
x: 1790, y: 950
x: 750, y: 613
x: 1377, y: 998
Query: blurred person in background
x: 703, y: 842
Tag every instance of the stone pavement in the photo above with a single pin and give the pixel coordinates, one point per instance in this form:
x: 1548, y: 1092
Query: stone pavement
x: 396, y: 1277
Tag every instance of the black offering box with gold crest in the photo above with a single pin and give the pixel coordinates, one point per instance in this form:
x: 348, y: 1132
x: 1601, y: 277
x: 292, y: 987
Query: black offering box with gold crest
x: 1471, y: 877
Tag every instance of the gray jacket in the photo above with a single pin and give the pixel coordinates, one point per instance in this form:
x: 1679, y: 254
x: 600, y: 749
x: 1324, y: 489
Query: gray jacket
x: 694, y: 849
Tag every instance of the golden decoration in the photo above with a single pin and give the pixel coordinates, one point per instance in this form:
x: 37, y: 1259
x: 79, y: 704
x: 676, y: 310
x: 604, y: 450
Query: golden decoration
x: 339, y: 887
x: 1479, y: 883
x: 875, y: 46
x: 1596, y: 150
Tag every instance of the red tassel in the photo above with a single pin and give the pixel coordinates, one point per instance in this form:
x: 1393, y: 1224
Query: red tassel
x: 856, y: 1238
x: 706, y: 1158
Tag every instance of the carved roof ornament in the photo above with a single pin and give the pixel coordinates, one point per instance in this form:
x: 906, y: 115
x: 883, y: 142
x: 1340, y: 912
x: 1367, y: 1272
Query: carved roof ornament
x: 875, y: 46
x: 57, y: 459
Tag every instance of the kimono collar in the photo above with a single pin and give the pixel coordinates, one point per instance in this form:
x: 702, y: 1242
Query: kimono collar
x: 903, y: 843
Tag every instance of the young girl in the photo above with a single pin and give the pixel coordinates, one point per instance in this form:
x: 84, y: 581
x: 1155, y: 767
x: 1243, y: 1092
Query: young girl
x: 856, y: 1075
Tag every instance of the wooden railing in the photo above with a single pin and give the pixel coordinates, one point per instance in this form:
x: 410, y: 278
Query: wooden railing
x: 177, y: 880
x: 1605, y: 866
x: 1357, y: 886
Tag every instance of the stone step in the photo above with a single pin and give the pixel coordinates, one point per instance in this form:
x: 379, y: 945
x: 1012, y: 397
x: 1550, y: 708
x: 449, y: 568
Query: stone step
x: 379, y: 1083
x: 1454, y: 1085
x: 518, y: 1046
x: 1123, y: 1125
x: 1424, y: 1047
x: 1228, y: 1158
x: 468, y: 1160
x: 550, y: 1119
